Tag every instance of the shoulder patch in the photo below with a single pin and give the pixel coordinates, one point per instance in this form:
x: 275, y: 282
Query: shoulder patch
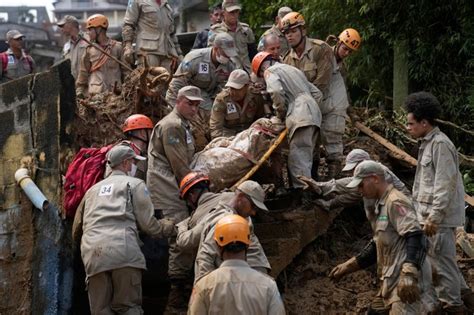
x: 172, y: 139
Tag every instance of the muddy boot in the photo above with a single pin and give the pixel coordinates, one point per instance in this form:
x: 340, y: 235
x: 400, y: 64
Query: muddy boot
x: 178, y: 298
x: 377, y: 307
x: 467, y: 297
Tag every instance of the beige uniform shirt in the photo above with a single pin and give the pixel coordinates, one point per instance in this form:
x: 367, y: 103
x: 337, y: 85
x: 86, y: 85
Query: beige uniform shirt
x: 15, y: 68
x: 284, y: 46
x: 243, y: 37
x: 198, y: 69
x: 235, y: 289
x: 152, y: 28
x: 109, y: 217
x: 208, y: 257
x: 74, y: 50
x: 228, y: 118
x: 170, y: 152
x: 394, y: 216
x: 438, y: 190
x: 316, y: 62
x: 98, y: 72
x: 291, y: 92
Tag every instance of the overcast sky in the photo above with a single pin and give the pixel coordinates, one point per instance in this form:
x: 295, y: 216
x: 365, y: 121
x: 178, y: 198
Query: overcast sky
x: 37, y: 3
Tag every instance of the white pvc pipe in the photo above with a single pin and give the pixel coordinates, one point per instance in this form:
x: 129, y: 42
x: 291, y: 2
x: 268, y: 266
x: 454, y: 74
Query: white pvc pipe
x: 38, y: 199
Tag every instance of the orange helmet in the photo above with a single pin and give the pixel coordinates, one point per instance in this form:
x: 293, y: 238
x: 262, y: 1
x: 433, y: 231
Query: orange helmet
x: 351, y: 38
x: 292, y: 20
x: 258, y: 60
x: 97, y: 20
x: 190, y: 180
x: 230, y: 229
x: 137, y: 121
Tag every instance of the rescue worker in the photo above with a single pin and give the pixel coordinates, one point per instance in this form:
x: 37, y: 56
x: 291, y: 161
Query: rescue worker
x: 15, y: 62
x: 98, y: 72
x: 215, y: 16
x: 438, y: 194
x: 240, y: 32
x: 271, y: 44
x: 150, y: 25
x: 170, y: 152
x: 235, y: 107
x: 341, y: 196
x: 295, y: 101
x: 398, y: 245
x: 235, y: 288
x: 315, y: 58
x: 208, y: 69
x: 106, y: 224
x: 276, y: 31
x: 75, y: 47
x: 247, y: 200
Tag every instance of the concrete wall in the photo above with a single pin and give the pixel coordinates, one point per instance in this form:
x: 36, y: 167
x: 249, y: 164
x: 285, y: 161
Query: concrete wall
x: 35, y: 255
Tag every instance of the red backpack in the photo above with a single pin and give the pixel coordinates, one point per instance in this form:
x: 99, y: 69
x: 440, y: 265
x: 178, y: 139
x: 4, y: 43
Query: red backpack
x: 86, y: 169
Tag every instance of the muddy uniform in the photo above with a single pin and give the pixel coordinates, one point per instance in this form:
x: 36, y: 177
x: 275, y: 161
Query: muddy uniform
x: 170, y: 152
x: 208, y: 257
x: 393, y: 218
x: 98, y: 72
x: 284, y: 46
x: 151, y: 27
x: 243, y: 38
x: 109, y: 217
x: 228, y: 118
x: 438, y: 194
x: 235, y: 288
x: 298, y: 99
x: 15, y: 68
x: 74, y: 50
x: 198, y: 69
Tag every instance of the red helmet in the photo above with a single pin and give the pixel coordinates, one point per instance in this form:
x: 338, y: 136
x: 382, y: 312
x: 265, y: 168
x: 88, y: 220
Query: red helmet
x: 137, y: 121
x: 190, y: 180
x: 258, y: 60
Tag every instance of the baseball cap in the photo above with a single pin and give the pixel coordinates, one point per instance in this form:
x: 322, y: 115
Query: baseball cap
x: 238, y: 79
x: 68, y: 19
x: 284, y: 11
x: 120, y: 153
x: 355, y: 157
x: 231, y: 5
x: 363, y: 170
x: 15, y: 34
x: 255, y: 192
x: 226, y: 42
x: 191, y: 92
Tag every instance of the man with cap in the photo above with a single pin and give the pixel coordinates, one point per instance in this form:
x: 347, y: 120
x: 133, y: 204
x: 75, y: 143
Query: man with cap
x: 15, y: 62
x: 335, y: 193
x: 248, y: 199
x: 170, y: 152
x: 241, y: 33
x: 234, y: 287
x: 150, y: 25
x: 106, y: 223
x: 235, y: 107
x: 398, y: 245
x: 266, y: 41
x: 208, y: 69
x: 215, y: 16
x: 75, y: 47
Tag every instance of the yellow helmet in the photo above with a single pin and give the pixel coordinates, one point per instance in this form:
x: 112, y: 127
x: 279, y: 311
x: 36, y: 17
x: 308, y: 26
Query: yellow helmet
x: 97, y: 20
x: 351, y: 38
x: 292, y: 20
x: 230, y: 229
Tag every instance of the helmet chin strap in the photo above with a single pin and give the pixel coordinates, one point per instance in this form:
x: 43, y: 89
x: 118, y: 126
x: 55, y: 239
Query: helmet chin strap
x: 301, y: 37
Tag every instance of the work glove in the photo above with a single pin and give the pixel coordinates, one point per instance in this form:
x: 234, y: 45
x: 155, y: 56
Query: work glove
x: 407, y: 288
x: 343, y: 269
x: 430, y: 228
x: 168, y: 227
x: 310, y: 183
x: 128, y: 53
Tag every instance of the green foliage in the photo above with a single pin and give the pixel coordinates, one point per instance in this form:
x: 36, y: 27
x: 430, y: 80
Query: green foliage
x: 468, y: 178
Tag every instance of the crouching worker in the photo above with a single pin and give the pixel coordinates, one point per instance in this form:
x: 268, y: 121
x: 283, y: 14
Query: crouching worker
x: 106, y: 224
x: 398, y: 247
x: 235, y: 287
